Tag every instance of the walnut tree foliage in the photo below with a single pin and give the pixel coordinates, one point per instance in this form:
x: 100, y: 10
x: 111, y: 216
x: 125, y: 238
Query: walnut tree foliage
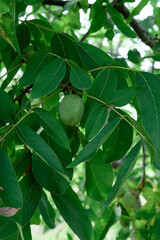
x: 50, y: 171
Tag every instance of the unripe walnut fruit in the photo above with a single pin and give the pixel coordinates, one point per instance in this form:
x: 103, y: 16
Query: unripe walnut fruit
x: 129, y: 200
x: 122, y: 190
x: 71, y: 110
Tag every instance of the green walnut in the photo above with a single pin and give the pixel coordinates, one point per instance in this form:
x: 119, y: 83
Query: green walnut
x: 129, y: 200
x: 122, y: 190
x: 71, y: 110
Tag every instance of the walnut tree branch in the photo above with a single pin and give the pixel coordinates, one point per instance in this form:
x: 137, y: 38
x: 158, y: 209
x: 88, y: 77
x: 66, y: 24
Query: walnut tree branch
x: 141, y: 33
x: 23, y: 92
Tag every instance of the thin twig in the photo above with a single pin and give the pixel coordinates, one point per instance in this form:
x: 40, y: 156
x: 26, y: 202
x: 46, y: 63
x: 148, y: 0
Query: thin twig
x: 20, y: 96
x: 85, y: 36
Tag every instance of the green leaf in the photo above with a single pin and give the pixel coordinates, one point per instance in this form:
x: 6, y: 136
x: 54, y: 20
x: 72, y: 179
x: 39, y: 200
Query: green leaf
x: 109, y: 34
x: 4, y: 7
x: 11, y: 193
x: 155, y: 232
x: 64, y: 155
x: 35, y: 64
x: 12, y: 70
x: 95, y: 121
x: 23, y: 36
x: 52, y: 126
x: 32, y: 192
x: 99, y: 17
x: 89, y: 151
x: 104, y: 84
x: 74, y: 17
x: 22, y: 161
x: 7, y: 31
x: 51, y: 100
x: 65, y: 46
x: 119, y: 22
x: 93, y: 57
x: 79, y: 79
x: 103, y: 223
x: 7, y: 227
x: 137, y: 10
x: 124, y: 171
x: 148, y: 101
x: 47, y: 177
x: 73, y: 213
x: 123, y: 96
x: 157, y: 21
x: 47, y: 211
x: 49, y: 78
x: 99, y: 177
x: 6, y: 107
x: 42, y: 33
x: 134, y: 56
x: 119, y: 142
x: 45, y: 153
x: 26, y: 234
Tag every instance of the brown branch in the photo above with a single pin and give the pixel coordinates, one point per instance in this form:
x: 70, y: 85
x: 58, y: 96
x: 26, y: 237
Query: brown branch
x: 141, y: 33
x: 20, y: 96
x: 54, y: 2
x: 84, y: 36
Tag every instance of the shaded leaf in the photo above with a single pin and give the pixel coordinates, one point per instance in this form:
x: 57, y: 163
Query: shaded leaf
x: 119, y: 142
x: 23, y: 36
x: 104, y: 84
x: 49, y: 78
x: 124, y: 171
x: 52, y: 126
x: 98, y: 15
x: 79, y: 79
x: 26, y: 234
x: 12, y: 70
x: 47, y: 211
x: 22, y: 162
x: 35, y: 64
x: 148, y: 99
x: 11, y: 196
x: 45, y: 153
x: 47, y: 177
x: 89, y: 150
x: 65, y: 46
x: 6, y: 107
x: 99, y: 177
x: 32, y: 192
x: 134, y: 56
x: 95, y: 121
x: 64, y: 155
x: 73, y: 213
